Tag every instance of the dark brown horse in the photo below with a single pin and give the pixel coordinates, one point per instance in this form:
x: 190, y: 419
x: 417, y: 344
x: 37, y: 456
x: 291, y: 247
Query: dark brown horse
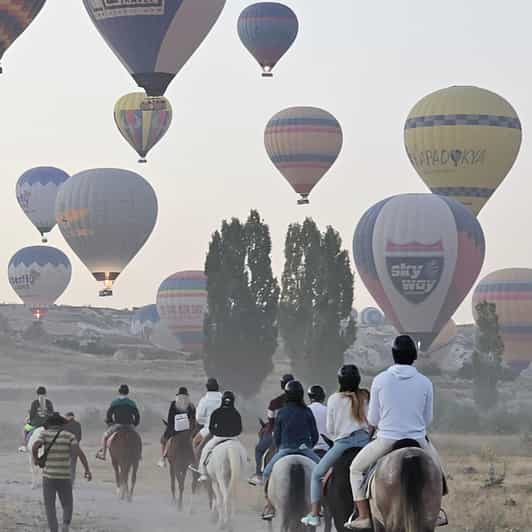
x: 125, y: 450
x: 180, y: 455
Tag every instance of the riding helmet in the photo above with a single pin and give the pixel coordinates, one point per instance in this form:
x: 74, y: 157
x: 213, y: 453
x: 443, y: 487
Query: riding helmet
x: 404, y: 350
x: 294, y: 392
x: 316, y: 393
x: 182, y: 391
x: 349, y: 377
x: 123, y: 390
x: 212, y: 385
x: 228, y: 399
x: 41, y: 390
x: 285, y: 379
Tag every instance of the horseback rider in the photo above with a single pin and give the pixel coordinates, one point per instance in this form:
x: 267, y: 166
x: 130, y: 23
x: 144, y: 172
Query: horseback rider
x: 400, y: 408
x: 206, y: 406
x: 266, y: 433
x: 294, y: 432
x: 122, y: 414
x: 40, y: 409
x: 225, y: 424
x: 316, y: 395
x: 347, y: 426
x: 181, y: 409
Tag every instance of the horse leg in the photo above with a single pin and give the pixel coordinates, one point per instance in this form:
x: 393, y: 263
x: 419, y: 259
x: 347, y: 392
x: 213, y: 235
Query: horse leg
x: 116, y: 468
x: 217, y: 505
x: 181, y: 476
x: 134, y: 468
x: 172, y: 478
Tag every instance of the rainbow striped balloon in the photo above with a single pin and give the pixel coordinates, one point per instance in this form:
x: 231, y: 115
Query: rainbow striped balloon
x: 303, y: 143
x: 511, y: 291
x: 182, y: 304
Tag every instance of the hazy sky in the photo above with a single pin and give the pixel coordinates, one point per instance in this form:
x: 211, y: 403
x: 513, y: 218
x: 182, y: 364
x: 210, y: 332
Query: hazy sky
x: 366, y: 62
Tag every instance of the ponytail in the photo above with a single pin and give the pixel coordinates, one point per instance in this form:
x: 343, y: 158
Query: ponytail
x: 359, y: 399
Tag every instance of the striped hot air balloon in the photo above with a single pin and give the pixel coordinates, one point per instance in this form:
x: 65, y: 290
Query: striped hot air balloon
x: 463, y: 141
x: 303, y: 143
x: 142, y: 121
x: 511, y: 291
x: 144, y: 321
x: 419, y: 255
x: 267, y: 30
x: 182, y: 305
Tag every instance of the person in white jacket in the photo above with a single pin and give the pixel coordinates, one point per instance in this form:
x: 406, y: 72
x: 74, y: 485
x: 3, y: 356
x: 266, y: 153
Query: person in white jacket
x: 400, y: 407
x: 211, y: 401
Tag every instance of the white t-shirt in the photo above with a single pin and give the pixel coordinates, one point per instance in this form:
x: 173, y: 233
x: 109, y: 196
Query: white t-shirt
x: 320, y: 415
x: 206, y: 406
x: 340, y: 420
x: 401, y: 404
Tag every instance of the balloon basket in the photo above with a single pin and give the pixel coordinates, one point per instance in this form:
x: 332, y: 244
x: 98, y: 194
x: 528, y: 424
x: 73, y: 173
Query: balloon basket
x: 44, y: 240
x: 267, y: 75
x: 303, y: 201
x: 106, y: 292
x: 143, y: 161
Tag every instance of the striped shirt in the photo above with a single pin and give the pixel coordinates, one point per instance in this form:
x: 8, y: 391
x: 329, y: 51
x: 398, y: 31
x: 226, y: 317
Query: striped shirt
x: 59, y: 458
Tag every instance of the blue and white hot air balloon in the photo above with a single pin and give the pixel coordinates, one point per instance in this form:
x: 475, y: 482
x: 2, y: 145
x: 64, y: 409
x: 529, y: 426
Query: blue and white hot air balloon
x: 267, y: 30
x: 144, y: 321
x: 36, y: 192
x: 39, y: 275
x: 371, y: 317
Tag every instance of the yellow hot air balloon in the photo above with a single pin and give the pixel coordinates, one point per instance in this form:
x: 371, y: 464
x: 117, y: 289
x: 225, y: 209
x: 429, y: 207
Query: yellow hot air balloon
x: 463, y: 141
x: 143, y: 121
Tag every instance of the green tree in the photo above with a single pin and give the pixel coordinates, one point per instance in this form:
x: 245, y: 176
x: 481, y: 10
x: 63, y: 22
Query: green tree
x: 316, y: 301
x: 243, y: 298
x: 487, y: 357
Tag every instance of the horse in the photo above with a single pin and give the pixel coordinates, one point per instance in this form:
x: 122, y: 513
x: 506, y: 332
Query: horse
x: 224, y: 469
x: 36, y: 472
x: 289, y: 491
x: 180, y: 455
x: 125, y: 448
x: 406, y: 492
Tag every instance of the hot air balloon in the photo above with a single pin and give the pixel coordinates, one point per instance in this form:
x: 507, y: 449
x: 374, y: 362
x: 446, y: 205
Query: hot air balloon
x: 267, y: 30
x: 511, y: 291
x: 106, y: 215
x: 144, y: 321
x: 153, y: 38
x: 444, y: 339
x: 419, y: 255
x: 371, y: 317
x: 36, y: 192
x: 39, y: 275
x: 182, y: 305
x: 303, y: 143
x: 463, y: 141
x: 15, y: 17
x: 143, y: 121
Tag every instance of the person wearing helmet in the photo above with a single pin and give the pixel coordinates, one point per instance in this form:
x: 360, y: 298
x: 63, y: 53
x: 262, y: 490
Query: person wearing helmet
x: 181, y: 416
x: 122, y: 414
x: 40, y: 409
x: 316, y: 395
x: 206, y: 406
x: 225, y: 424
x: 400, y: 408
x: 266, y: 433
x: 294, y: 432
x: 346, y: 425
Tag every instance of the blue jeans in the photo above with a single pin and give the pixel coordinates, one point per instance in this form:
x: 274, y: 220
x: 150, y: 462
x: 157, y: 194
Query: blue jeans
x: 281, y: 453
x: 359, y: 438
x: 265, y: 442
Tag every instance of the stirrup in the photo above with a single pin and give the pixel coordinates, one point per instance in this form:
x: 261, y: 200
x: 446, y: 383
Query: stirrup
x: 442, y: 520
x: 100, y: 455
x: 268, y: 516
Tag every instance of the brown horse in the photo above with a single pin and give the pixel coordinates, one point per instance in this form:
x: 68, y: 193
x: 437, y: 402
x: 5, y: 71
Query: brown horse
x: 125, y: 449
x: 180, y: 455
x: 406, y: 492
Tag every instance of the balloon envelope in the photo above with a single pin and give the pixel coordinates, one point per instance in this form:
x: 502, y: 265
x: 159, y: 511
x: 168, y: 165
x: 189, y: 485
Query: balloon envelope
x: 182, y: 305
x: 15, y: 17
x: 106, y: 215
x: 446, y: 337
x: 154, y: 38
x: 142, y: 121
x: 267, y: 30
x: 303, y: 143
x: 144, y: 321
x: 463, y: 141
x: 371, y: 317
x: 36, y: 193
x: 39, y: 275
x: 419, y: 255
x: 511, y: 291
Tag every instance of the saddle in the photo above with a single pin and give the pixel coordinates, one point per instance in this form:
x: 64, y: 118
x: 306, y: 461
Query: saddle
x: 221, y: 442
x: 118, y: 429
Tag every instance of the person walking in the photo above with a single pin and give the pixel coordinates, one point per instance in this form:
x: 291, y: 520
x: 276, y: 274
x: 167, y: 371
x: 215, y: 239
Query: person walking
x: 59, y: 448
x: 74, y: 427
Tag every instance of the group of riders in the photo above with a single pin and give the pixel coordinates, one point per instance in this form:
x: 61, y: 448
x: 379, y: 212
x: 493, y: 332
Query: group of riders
x: 399, y: 407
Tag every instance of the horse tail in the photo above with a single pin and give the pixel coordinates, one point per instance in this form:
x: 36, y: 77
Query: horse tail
x: 235, y: 461
x: 296, y: 498
x: 412, y: 479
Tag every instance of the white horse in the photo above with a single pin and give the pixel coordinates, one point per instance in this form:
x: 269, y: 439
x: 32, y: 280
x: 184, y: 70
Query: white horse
x: 224, y: 469
x: 289, y: 491
x: 36, y: 472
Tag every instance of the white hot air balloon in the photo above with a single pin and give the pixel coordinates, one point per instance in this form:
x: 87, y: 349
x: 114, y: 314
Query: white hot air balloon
x: 39, y: 275
x: 106, y: 215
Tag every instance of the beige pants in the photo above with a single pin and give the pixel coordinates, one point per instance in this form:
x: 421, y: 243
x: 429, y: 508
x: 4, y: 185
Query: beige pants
x: 370, y: 455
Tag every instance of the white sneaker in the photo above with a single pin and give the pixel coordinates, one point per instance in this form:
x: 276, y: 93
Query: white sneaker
x: 162, y: 463
x: 442, y: 519
x: 359, y: 524
x: 256, y: 480
x: 203, y: 478
x: 22, y: 449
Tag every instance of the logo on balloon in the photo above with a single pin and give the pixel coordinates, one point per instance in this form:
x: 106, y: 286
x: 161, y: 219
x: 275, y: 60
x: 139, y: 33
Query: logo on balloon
x: 443, y: 158
x: 414, y: 268
x: 24, y: 281
x: 103, y: 9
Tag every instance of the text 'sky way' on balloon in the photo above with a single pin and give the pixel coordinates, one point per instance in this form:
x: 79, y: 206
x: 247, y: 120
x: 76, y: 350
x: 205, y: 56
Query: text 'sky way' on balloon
x: 303, y: 143
x: 39, y: 275
x: 36, y: 193
x: 267, y: 30
x: 106, y: 215
x: 371, y: 317
x: 511, y: 292
x: 463, y: 141
x: 419, y: 255
x: 144, y: 321
x: 154, y: 38
x: 15, y: 17
x: 142, y: 121
x: 182, y: 305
